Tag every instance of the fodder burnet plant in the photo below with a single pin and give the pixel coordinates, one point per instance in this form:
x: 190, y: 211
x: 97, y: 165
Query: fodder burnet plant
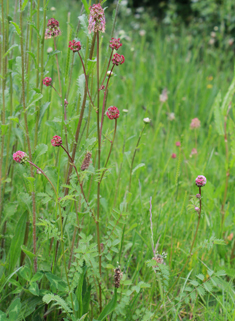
x: 74, y: 221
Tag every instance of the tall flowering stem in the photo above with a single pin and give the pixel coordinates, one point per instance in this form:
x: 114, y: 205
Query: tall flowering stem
x: 27, y: 136
x: 98, y: 184
x: 199, y: 218
x: 107, y: 67
x: 110, y: 151
x: 3, y: 107
x: 57, y: 65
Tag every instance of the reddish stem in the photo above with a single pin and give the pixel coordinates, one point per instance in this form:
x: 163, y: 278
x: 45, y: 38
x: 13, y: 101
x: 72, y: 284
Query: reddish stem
x: 107, y: 67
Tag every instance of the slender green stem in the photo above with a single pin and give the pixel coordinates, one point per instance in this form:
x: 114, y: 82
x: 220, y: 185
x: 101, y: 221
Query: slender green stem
x: 3, y: 106
x: 70, y: 76
x: 98, y: 184
x: 110, y: 151
x: 27, y: 136
x: 57, y: 65
x: 133, y: 157
x: 79, y: 181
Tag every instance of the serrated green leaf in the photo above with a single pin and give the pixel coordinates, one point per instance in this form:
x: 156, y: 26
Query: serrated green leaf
x: 200, y: 276
x: 17, y: 28
x: 57, y: 301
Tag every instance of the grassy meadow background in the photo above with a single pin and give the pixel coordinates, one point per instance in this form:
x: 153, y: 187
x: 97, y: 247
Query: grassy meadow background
x: 199, y: 76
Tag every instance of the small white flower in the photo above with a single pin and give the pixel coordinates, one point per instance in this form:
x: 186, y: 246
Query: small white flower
x: 142, y: 33
x: 49, y: 50
x: 146, y: 120
x: 53, y: 9
x: 171, y: 116
x: 125, y: 111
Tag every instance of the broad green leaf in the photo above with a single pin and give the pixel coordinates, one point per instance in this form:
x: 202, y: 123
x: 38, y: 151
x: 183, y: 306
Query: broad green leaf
x: 37, y: 277
x: 109, y: 308
x: 25, y: 273
x: 34, y: 99
x: 15, y: 119
x: 17, y: 241
x: 14, y: 309
x: 34, y: 289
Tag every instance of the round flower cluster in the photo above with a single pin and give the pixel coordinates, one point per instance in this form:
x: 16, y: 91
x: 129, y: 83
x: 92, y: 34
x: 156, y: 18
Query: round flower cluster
x: 20, y: 157
x: 118, y: 59
x: 177, y: 144
x: 47, y: 81
x: 195, y: 123
x: 56, y: 141
x: 115, y: 43
x: 75, y: 46
x: 96, y: 19
x: 53, y: 29
x: 112, y: 112
x: 200, y: 181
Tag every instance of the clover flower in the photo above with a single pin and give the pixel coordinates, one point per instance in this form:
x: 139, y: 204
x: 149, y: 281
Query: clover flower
x: 20, y: 157
x: 112, y: 112
x: 96, y: 19
x: 56, y: 141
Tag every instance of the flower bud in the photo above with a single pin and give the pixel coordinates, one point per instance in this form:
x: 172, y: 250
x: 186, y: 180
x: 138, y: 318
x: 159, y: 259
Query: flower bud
x: 146, y: 120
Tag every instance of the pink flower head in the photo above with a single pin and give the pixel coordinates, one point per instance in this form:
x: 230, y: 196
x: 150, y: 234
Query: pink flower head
x: 53, y: 29
x: 20, y: 157
x: 198, y: 196
x: 194, y: 151
x: 115, y: 43
x: 56, y: 141
x: 173, y: 155
x: 96, y: 19
x: 200, y: 181
x: 197, y: 209
x: 47, y: 81
x: 195, y: 123
x: 75, y: 46
x: 177, y: 144
x: 112, y: 112
x: 118, y: 59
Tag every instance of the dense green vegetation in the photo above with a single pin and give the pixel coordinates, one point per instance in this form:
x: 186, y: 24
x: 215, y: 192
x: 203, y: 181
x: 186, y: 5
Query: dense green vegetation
x: 147, y: 193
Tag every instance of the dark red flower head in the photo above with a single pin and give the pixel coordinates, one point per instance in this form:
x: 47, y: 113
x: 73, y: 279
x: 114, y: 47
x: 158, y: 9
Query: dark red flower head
x: 75, y: 46
x: 118, y: 59
x: 112, y: 112
x: 115, y: 43
x: 56, y: 141
x: 52, y: 23
x: 47, y: 81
